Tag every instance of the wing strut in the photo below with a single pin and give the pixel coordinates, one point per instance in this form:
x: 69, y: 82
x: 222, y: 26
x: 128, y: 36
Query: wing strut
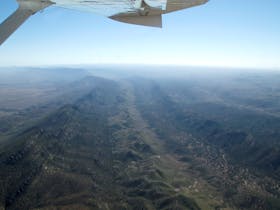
x: 25, y: 10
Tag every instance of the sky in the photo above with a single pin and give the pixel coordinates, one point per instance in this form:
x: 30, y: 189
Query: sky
x: 222, y: 33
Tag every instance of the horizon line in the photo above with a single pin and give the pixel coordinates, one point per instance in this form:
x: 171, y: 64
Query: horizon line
x: 86, y: 65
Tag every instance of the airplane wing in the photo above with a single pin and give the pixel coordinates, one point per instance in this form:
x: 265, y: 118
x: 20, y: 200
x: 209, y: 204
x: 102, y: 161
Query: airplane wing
x: 140, y: 12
